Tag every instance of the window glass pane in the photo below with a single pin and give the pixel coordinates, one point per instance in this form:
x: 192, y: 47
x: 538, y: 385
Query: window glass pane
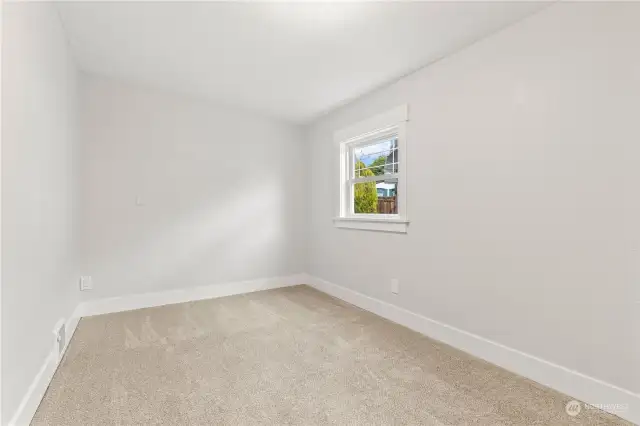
x: 376, y: 197
x: 380, y: 158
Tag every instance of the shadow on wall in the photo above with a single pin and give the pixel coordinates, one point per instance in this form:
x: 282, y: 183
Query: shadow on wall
x: 225, y: 238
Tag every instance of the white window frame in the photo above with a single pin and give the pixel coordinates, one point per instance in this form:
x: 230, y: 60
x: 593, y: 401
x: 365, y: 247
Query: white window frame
x: 383, y: 126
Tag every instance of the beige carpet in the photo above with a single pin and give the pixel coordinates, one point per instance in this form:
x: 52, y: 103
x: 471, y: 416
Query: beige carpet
x: 291, y: 356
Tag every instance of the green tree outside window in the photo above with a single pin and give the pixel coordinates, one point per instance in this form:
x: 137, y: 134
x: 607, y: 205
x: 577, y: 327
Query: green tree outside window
x: 365, y: 199
x: 377, y: 166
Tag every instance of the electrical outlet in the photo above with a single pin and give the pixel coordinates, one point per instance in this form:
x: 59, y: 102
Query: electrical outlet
x: 86, y: 283
x: 59, y: 332
x: 395, y: 286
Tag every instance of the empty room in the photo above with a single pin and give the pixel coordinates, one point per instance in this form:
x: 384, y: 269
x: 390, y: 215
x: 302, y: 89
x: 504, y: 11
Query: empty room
x: 320, y: 213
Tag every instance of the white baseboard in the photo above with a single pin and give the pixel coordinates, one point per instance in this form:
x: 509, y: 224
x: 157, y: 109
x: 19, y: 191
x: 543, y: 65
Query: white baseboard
x: 148, y: 300
x: 38, y: 387
x: 577, y: 385
x: 608, y: 397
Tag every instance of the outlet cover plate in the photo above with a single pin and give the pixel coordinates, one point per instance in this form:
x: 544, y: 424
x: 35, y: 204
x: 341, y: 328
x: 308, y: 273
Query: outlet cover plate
x: 86, y: 283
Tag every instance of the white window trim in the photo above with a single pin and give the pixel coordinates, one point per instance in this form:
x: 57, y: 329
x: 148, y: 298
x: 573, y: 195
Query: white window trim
x: 390, y: 122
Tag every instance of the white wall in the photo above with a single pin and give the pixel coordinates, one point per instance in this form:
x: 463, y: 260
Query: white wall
x: 522, y: 174
x: 523, y: 192
x: 222, y: 192
x: 38, y: 138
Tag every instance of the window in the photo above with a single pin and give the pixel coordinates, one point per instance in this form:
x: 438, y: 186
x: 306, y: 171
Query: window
x: 372, y: 173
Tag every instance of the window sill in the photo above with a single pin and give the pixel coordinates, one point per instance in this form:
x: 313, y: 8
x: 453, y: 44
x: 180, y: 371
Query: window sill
x: 395, y: 225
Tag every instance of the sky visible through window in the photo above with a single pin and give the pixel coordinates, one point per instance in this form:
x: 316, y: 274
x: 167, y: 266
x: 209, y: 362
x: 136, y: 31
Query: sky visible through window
x: 369, y: 153
x: 380, y: 158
